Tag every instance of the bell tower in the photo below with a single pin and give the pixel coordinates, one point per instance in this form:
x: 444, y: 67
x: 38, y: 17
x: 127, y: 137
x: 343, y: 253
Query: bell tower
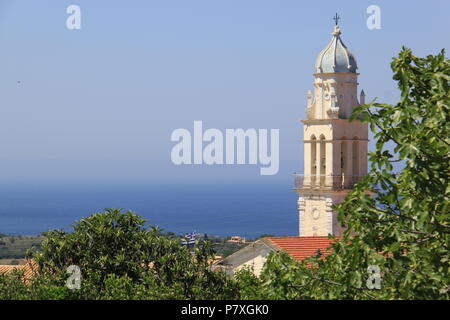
x: 335, y: 149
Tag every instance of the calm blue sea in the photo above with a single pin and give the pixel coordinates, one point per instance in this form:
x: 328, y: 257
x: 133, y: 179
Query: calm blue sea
x: 246, y: 209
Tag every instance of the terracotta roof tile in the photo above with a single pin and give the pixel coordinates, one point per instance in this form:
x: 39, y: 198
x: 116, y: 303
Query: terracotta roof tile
x: 301, y: 248
x: 8, y: 268
x: 28, y: 268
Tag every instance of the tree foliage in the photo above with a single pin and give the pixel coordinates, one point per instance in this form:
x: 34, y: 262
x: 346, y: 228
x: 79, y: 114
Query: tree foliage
x: 119, y: 258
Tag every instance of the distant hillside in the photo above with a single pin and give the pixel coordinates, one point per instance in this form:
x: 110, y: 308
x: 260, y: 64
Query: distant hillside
x: 15, y: 247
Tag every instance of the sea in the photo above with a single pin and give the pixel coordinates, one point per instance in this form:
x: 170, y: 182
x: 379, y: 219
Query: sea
x: 224, y: 209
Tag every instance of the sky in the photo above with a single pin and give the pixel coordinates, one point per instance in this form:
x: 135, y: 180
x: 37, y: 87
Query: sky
x: 100, y: 103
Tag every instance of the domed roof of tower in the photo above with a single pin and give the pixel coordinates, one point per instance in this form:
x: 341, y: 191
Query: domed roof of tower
x: 336, y: 57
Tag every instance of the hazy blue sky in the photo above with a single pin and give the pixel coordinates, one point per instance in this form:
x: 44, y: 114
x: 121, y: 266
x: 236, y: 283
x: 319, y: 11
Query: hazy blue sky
x: 101, y: 102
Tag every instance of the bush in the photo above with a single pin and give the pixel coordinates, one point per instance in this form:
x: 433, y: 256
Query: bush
x: 119, y: 259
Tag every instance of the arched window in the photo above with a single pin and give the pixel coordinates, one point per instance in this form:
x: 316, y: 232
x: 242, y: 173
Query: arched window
x: 355, y: 154
x: 343, y: 154
x: 323, y: 159
x: 313, y: 155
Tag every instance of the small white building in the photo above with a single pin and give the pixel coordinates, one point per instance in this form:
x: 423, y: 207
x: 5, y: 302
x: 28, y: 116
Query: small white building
x: 255, y: 254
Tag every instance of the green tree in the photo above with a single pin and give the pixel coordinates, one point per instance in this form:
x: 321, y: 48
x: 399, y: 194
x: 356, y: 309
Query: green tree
x: 120, y: 258
x: 397, y: 221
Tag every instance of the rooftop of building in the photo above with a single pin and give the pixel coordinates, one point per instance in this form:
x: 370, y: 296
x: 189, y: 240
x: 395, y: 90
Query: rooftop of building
x: 301, y: 248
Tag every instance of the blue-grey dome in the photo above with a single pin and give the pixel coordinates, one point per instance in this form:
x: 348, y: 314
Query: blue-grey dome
x: 336, y: 57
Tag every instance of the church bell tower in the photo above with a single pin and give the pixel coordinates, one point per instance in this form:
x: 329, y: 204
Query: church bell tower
x: 335, y: 149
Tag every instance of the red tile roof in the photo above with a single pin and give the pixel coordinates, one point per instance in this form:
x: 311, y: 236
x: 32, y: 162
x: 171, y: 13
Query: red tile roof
x: 302, y: 247
x: 8, y: 268
x: 27, y: 268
